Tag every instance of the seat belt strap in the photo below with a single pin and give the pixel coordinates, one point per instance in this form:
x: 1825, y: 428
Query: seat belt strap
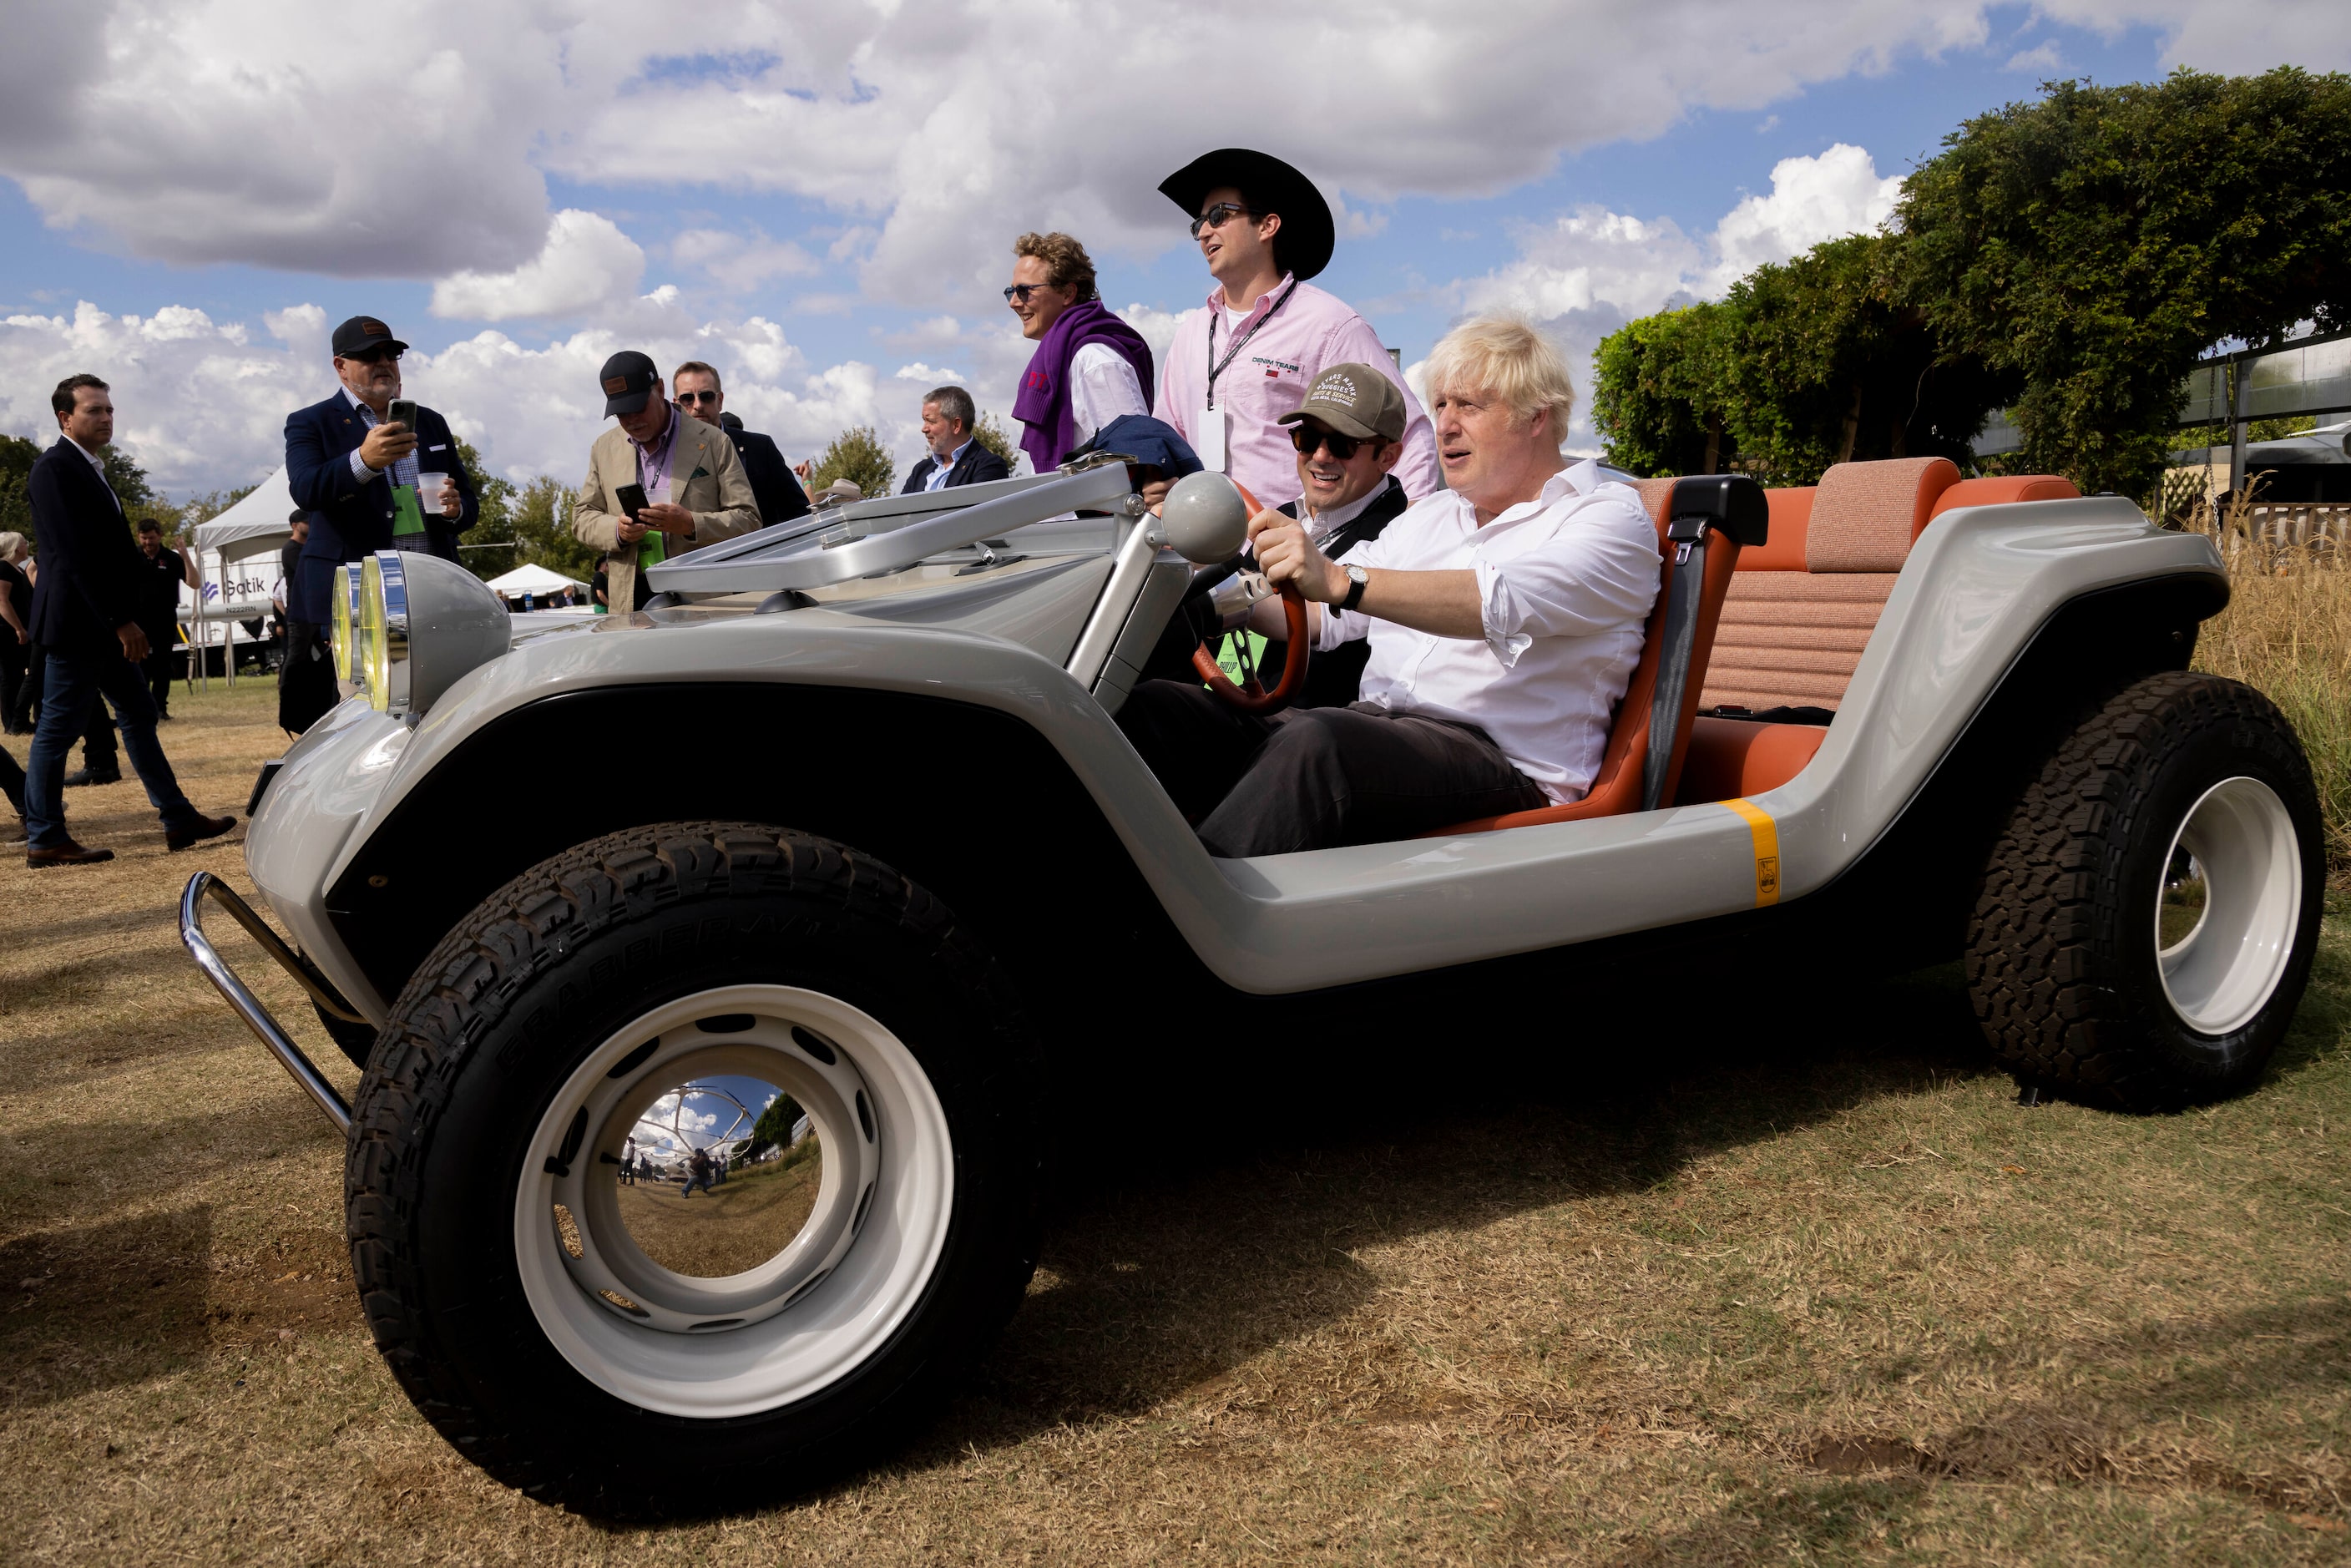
x: 1687, y: 535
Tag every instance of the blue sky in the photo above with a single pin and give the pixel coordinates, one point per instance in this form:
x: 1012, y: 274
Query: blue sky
x: 801, y: 214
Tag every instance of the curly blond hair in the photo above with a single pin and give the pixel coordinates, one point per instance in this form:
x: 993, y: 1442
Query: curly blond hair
x: 1505, y: 358
x: 1067, y: 265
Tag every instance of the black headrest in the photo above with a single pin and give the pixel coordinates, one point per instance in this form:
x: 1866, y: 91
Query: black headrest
x: 1730, y: 503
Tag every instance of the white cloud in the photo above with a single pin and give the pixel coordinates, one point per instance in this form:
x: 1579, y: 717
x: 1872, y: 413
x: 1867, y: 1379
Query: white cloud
x: 919, y: 371
x: 2041, y: 59
x: 1592, y: 271
x: 201, y: 130
x: 1812, y: 199
x: 740, y: 262
x: 586, y: 261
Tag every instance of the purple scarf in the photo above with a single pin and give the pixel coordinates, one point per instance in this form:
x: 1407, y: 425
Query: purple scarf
x: 1044, y: 405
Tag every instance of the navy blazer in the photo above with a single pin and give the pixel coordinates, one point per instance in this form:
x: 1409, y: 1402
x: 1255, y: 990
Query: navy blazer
x: 92, y: 570
x: 976, y: 466
x: 349, y: 520
x: 773, y: 485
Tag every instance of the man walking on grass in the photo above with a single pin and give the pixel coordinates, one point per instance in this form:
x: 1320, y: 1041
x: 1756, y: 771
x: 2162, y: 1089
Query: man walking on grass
x: 86, y: 615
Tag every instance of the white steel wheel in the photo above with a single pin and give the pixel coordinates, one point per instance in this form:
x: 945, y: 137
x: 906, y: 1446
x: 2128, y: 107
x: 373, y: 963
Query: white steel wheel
x: 686, y: 1311
x: 2231, y: 899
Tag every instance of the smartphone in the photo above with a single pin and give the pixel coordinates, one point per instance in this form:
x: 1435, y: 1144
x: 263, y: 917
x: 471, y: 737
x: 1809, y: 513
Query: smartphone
x: 633, y: 499
x: 403, y: 414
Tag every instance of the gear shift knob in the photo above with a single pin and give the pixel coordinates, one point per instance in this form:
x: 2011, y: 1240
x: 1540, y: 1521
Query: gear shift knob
x: 1204, y: 517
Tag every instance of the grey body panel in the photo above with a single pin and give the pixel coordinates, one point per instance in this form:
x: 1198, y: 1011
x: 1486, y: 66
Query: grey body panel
x: 885, y: 534
x: 1978, y: 586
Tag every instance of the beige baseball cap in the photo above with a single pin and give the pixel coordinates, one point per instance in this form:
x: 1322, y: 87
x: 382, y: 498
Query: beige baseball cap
x: 1354, y: 399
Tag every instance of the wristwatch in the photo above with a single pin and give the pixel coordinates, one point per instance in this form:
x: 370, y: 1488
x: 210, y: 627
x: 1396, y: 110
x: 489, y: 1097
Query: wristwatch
x: 1358, y: 576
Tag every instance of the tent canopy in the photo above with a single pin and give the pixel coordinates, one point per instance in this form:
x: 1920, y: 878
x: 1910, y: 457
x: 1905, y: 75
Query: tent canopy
x: 534, y: 579
x: 255, y: 526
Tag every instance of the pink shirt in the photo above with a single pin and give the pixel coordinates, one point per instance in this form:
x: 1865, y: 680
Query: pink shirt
x: 1270, y: 377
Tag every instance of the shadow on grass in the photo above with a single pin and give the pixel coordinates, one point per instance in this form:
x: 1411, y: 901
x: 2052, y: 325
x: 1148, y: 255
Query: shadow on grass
x: 98, y: 1306
x: 1214, y: 1217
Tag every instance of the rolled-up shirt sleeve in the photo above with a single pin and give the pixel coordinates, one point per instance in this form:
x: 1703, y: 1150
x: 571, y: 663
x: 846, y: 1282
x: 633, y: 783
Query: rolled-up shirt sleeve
x: 1597, y: 571
x: 1338, y: 626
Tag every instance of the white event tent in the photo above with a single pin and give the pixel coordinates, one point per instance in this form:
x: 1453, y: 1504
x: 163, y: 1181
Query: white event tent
x: 256, y: 527
x: 531, y: 579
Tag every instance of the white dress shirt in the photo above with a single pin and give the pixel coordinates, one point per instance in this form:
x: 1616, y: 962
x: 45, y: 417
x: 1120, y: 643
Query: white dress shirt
x: 1103, y: 386
x: 99, y: 463
x: 1565, y: 583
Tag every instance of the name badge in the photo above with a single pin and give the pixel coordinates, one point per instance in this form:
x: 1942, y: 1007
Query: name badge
x: 1209, y: 437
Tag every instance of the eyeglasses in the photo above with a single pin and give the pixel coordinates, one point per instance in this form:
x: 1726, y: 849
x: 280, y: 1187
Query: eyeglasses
x: 1021, y: 291
x: 377, y: 357
x: 1342, y: 447
x: 1217, y: 216
x: 683, y: 398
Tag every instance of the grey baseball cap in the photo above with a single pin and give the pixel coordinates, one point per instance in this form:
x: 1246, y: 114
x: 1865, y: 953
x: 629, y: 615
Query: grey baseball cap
x: 1356, y: 399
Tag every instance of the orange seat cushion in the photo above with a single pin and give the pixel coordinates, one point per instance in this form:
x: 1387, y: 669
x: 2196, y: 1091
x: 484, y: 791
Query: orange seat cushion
x: 1731, y: 757
x: 1792, y: 639
x: 2000, y: 491
x: 1783, y: 549
x: 1866, y: 515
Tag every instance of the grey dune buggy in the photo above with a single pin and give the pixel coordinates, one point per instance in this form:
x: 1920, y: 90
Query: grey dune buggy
x: 832, y: 862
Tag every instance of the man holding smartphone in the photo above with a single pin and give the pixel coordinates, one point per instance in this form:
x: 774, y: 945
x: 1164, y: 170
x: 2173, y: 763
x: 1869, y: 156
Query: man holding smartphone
x: 659, y: 484
x: 375, y: 471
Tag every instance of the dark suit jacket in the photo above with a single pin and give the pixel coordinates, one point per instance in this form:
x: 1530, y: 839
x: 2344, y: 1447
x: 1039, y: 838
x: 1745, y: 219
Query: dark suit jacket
x: 976, y: 466
x: 92, y: 570
x: 773, y: 483
x: 349, y: 520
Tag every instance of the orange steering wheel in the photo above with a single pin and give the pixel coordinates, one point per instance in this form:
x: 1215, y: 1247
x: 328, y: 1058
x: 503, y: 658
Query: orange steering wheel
x: 1251, y: 698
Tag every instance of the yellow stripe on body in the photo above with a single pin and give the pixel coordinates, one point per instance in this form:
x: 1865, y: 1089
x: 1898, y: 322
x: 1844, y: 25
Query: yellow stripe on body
x: 1766, y: 834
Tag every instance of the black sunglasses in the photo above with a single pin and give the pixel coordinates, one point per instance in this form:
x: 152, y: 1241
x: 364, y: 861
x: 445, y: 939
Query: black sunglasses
x: 378, y: 357
x: 697, y: 397
x: 1216, y: 218
x: 1021, y: 291
x: 1342, y: 447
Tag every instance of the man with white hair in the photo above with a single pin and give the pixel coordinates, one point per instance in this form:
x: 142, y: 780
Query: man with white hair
x: 1505, y: 615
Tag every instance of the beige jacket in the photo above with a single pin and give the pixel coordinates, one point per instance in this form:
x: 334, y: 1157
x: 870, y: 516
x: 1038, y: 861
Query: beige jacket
x: 705, y: 477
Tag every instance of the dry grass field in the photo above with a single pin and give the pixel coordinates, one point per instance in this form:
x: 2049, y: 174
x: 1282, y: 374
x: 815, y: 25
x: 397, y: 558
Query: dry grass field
x: 724, y: 1229
x: 1803, y: 1284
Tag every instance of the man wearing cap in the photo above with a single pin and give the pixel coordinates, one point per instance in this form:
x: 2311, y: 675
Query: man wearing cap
x: 695, y: 490
x: 359, y: 473
x: 1246, y: 357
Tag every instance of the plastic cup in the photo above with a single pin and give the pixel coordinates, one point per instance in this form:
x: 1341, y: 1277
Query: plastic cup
x: 432, y: 491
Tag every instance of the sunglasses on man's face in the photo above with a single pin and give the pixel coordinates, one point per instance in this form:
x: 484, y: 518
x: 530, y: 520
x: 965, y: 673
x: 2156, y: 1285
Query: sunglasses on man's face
x: 1217, y: 216
x: 379, y: 356
x: 1021, y: 291
x: 697, y: 397
x: 1343, y: 449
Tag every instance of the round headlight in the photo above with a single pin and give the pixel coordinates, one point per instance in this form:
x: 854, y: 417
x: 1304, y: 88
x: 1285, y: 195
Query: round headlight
x: 345, y: 592
x: 425, y: 622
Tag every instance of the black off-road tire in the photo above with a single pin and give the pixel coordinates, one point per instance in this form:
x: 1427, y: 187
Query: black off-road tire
x: 515, y: 999
x: 2062, y: 960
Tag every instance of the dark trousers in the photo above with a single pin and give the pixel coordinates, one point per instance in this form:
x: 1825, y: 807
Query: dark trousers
x: 1314, y: 779
x: 305, y: 679
x: 25, y: 693
x: 72, y: 685
x: 157, y: 667
x: 15, y: 655
x: 98, y: 752
x: 12, y: 782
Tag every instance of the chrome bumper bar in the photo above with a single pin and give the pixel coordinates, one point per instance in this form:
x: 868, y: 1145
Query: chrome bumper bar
x: 249, y: 1007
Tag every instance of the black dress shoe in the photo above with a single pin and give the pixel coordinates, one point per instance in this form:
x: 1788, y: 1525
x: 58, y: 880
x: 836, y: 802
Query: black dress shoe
x: 81, y: 776
x: 205, y: 828
x: 67, y: 853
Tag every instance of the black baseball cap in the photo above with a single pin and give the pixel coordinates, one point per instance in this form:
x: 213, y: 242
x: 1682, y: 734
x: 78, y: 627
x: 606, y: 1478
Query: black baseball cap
x: 628, y: 378
x: 363, y: 334
x: 1308, y: 232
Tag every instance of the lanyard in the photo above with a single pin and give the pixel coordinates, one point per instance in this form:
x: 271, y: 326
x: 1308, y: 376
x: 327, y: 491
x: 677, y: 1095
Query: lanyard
x: 1218, y: 368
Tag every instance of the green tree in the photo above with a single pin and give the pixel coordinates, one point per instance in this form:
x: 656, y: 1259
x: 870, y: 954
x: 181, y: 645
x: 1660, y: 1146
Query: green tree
x: 992, y: 436
x: 1807, y: 363
x: 2093, y: 244
x: 855, y: 453
x: 773, y: 1128
x: 487, y: 548
x: 18, y: 456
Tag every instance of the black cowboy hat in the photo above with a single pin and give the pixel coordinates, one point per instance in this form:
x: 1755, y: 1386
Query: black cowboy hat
x: 1308, y: 233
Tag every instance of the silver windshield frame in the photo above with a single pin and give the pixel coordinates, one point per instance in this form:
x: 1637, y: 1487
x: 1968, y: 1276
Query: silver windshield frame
x: 888, y: 533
